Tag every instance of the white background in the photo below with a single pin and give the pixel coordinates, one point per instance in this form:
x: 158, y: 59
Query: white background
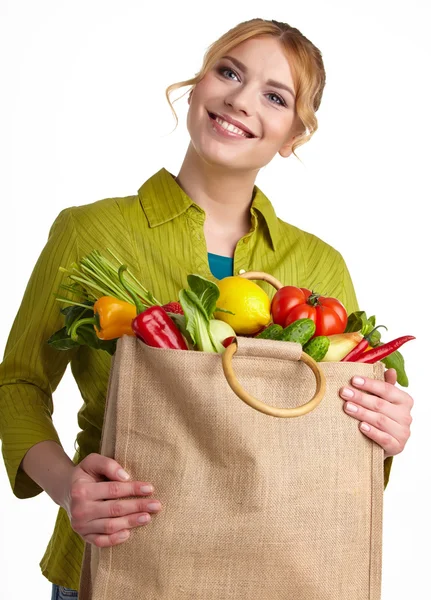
x: 84, y: 117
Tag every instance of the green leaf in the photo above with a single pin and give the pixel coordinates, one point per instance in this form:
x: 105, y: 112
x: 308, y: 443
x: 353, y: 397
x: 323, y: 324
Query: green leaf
x: 109, y: 346
x: 396, y: 361
x: 87, y: 337
x: 61, y: 340
x: 74, y: 313
x: 375, y: 338
x: 356, y: 321
x: 197, y: 322
x: 180, y: 322
x: 206, y: 291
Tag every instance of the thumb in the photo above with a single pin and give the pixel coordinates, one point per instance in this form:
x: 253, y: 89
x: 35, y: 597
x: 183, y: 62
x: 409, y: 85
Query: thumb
x: 391, y: 376
x: 102, y: 466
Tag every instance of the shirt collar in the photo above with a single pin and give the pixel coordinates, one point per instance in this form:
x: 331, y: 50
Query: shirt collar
x: 162, y: 185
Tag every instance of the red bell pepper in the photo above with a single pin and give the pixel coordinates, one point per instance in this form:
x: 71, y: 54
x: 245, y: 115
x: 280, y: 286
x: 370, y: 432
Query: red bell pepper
x: 153, y: 325
x: 156, y: 328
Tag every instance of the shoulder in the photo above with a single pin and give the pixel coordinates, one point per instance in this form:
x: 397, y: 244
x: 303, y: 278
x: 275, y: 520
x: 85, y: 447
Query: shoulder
x: 105, y: 223
x: 107, y: 215
x: 102, y: 209
x: 313, y: 248
x: 324, y: 268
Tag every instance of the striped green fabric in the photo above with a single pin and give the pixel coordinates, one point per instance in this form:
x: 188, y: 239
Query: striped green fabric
x: 159, y: 234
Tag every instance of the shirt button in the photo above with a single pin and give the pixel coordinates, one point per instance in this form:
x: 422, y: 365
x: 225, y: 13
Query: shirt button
x: 241, y: 271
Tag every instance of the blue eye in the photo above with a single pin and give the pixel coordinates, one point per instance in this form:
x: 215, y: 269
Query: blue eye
x: 224, y: 70
x: 281, y: 101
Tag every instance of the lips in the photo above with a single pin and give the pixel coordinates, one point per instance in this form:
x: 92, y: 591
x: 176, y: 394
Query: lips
x: 233, y: 122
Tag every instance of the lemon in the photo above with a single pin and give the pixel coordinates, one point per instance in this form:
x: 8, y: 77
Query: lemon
x: 249, y: 303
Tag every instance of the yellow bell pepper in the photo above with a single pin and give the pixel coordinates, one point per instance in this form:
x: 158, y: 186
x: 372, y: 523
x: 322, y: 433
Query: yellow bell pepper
x: 113, y: 318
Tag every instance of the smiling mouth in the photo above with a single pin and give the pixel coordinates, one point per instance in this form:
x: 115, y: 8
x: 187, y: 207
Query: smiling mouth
x: 229, y: 126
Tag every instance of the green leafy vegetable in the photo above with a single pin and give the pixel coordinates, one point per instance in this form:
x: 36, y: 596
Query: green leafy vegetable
x: 199, y: 304
x: 396, y: 361
x: 74, y: 313
x: 61, y: 340
x: 358, y: 321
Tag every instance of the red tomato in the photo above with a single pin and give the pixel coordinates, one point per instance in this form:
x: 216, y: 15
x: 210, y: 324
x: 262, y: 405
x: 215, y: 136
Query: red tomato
x: 300, y: 311
x: 284, y: 300
x: 291, y: 303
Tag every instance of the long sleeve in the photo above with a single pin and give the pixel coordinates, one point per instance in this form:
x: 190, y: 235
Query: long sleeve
x: 31, y: 369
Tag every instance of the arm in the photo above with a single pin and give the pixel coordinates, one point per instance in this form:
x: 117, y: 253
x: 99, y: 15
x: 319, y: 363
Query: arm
x: 31, y: 370
x: 50, y: 468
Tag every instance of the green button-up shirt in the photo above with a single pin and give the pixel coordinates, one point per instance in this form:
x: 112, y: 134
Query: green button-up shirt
x: 159, y: 234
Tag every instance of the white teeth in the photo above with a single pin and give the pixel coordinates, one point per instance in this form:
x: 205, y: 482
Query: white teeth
x: 230, y: 127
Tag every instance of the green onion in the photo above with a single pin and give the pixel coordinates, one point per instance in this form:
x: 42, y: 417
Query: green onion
x: 96, y: 276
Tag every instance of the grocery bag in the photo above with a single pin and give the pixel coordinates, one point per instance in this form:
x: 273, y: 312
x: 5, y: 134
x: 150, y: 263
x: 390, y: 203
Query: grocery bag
x: 254, y: 505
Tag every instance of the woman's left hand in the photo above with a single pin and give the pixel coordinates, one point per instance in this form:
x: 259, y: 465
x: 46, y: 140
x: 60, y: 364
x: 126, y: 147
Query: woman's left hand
x: 382, y: 409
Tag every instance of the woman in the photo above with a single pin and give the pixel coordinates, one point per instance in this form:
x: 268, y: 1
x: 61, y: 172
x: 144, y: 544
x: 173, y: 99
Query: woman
x: 255, y: 96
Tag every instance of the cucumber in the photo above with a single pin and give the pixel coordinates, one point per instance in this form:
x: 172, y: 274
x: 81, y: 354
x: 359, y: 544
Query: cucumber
x: 299, y: 331
x: 270, y: 333
x: 317, y: 347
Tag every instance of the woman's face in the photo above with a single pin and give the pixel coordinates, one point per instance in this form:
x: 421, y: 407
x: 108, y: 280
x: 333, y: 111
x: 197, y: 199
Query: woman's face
x: 246, y: 88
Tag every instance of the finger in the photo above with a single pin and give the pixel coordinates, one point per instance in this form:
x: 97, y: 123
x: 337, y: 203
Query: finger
x: 378, y: 420
x: 369, y: 402
x: 97, y: 465
x: 390, y: 445
x: 379, y: 388
x: 105, y: 541
x: 391, y: 376
x: 121, y: 508
x: 107, y: 490
x: 110, y: 527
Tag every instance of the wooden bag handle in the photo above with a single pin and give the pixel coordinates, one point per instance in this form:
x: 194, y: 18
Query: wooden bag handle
x: 273, y: 411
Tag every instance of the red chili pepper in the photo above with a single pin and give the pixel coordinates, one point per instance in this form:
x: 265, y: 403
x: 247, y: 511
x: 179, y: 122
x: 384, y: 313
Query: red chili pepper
x: 156, y: 328
x: 153, y: 325
x: 359, y: 349
x: 376, y: 354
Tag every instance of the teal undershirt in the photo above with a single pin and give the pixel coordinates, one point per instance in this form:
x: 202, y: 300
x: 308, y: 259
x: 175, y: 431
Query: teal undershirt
x: 220, y: 266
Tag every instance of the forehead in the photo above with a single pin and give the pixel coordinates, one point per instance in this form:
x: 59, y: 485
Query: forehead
x: 264, y: 57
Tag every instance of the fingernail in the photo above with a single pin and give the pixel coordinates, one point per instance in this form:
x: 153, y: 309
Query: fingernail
x: 351, y: 407
x: 123, y: 535
x: 358, y: 381
x: 365, y: 427
x: 347, y: 393
x: 122, y: 474
x: 153, y: 505
x: 144, y: 518
x: 147, y: 489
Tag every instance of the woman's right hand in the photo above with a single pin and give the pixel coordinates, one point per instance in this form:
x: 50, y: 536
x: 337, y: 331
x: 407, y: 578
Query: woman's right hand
x: 98, y: 509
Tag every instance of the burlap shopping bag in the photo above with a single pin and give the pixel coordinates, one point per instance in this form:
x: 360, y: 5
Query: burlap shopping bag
x: 254, y: 506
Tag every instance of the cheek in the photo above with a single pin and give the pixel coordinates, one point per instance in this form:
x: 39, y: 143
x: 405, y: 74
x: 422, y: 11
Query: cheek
x: 204, y: 89
x: 278, y: 128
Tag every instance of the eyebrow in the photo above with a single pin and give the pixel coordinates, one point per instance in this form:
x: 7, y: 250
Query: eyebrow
x: 277, y: 84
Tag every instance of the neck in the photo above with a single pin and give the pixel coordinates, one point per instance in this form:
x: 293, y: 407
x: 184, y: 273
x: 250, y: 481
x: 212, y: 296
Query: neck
x: 224, y: 194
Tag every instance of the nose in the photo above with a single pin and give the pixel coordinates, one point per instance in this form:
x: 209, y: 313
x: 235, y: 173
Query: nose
x: 241, y: 100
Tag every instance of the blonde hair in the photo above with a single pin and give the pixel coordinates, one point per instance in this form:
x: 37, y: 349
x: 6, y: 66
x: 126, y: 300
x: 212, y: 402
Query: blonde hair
x: 304, y: 59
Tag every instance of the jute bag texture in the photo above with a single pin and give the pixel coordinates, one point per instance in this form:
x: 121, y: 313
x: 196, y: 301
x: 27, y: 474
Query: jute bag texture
x: 254, y: 506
